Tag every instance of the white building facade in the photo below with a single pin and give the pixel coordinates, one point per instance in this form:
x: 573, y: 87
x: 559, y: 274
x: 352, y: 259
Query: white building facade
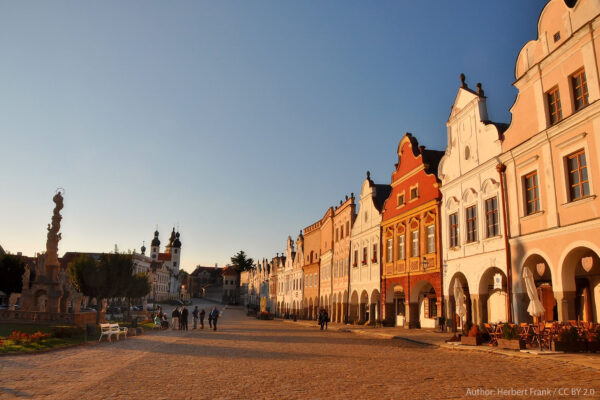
x: 365, y: 242
x: 473, y: 237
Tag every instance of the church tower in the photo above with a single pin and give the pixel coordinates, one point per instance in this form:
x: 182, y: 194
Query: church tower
x: 176, y: 253
x: 155, y: 246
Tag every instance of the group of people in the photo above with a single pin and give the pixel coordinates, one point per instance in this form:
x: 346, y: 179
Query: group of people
x: 179, y: 318
x: 323, y: 318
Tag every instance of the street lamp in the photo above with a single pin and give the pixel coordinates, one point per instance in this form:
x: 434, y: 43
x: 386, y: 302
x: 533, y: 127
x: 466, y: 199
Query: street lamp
x: 424, y: 264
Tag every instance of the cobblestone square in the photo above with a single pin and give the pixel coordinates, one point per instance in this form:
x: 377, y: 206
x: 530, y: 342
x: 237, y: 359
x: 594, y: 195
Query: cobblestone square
x: 252, y: 359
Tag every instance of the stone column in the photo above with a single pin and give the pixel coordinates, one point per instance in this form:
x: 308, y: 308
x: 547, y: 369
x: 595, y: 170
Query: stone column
x: 475, y: 309
x: 566, y: 305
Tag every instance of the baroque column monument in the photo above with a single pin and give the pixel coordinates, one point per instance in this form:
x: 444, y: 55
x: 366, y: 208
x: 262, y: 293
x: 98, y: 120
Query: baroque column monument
x: 51, y: 288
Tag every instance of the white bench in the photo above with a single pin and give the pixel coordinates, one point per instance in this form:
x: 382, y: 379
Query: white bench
x: 111, y: 329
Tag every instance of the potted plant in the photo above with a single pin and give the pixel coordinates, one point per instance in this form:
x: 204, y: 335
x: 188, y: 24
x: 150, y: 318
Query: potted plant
x: 510, y: 339
x: 569, y: 341
x: 473, y: 337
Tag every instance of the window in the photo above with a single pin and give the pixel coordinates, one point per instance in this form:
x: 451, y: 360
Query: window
x: 532, y: 195
x: 388, y: 251
x: 401, y: 254
x: 374, y: 259
x: 579, y: 185
x: 342, y: 232
x: 554, y: 108
x: 432, y: 307
x: 453, y: 223
x: 415, y: 244
x: 471, y: 224
x: 580, y: 90
x: 491, y: 217
x: 400, y: 199
x: 556, y: 36
x: 364, y: 259
x: 337, y: 235
x: 355, y: 263
x: 347, y: 228
x: 430, y: 239
x: 414, y: 193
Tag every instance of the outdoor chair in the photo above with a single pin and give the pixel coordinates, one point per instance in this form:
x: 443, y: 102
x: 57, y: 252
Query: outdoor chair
x: 525, y: 332
x: 491, y: 330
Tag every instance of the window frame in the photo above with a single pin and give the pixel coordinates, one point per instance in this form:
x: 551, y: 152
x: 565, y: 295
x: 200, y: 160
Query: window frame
x: 401, y: 243
x: 536, y: 191
x: 430, y: 235
x: 585, y: 94
x: 581, y: 183
x: 389, y: 250
x: 414, y: 239
x: 453, y: 233
x: 495, y: 215
x: 554, y: 105
x: 471, y: 224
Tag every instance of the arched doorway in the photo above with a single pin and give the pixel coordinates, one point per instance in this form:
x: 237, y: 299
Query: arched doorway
x: 395, y: 301
x: 424, y: 305
x: 354, y: 309
x: 374, y: 314
x: 363, y: 313
x: 542, y: 276
x: 492, y: 302
x: 581, y: 285
x: 452, y: 315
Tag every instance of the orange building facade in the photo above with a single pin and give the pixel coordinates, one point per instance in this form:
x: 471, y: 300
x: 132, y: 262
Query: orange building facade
x: 411, y: 284
x: 312, y: 248
x: 326, y: 260
x: 343, y: 220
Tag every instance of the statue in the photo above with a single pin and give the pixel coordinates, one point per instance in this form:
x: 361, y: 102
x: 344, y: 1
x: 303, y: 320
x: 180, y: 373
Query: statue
x: 26, y: 276
x: 12, y: 300
x: 53, y: 235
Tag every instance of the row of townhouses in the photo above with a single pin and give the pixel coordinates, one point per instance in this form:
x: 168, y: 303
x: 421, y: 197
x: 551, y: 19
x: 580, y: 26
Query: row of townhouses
x: 503, y: 203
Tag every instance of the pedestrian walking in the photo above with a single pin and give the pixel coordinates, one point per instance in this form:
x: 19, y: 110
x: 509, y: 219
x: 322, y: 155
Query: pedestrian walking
x: 326, y: 318
x: 215, y: 317
x: 202, y: 314
x: 195, y: 315
x: 210, y: 318
x: 321, y: 318
x: 184, y: 318
x: 175, y: 318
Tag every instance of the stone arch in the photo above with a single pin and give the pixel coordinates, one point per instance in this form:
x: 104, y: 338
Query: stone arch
x: 395, y: 300
x: 580, y: 277
x: 545, y: 282
x: 354, y: 306
x: 363, y: 308
x: 451, y: 309
x: 493, y: 297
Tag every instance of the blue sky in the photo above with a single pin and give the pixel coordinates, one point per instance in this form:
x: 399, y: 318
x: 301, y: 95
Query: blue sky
x: 241, y: 121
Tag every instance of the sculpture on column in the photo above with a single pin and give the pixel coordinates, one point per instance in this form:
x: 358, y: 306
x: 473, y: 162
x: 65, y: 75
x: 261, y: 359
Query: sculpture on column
x: 53, y: 235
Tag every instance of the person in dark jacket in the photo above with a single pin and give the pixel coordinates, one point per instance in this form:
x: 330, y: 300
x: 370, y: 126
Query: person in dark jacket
x: 184, y: 318
x: 215, y: 316
x: 175, y: 318
x: 202, y: 314
x: 210, y: 319
x: 195, y: 315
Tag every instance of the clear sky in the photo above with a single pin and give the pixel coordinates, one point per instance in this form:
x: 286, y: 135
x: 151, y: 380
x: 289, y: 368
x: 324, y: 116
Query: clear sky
x: 240, y: 121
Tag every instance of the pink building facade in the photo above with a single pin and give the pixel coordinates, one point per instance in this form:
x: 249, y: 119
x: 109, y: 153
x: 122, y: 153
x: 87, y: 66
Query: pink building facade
x: 550, y: 157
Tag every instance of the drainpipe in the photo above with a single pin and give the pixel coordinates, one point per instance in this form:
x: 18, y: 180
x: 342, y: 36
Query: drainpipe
x: 501, y: 168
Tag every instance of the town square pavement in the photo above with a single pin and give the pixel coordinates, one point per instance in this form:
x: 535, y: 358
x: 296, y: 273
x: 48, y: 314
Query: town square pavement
x: 251, y: 359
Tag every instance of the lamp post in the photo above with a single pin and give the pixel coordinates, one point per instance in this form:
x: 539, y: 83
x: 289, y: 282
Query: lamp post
x: 424, y: 264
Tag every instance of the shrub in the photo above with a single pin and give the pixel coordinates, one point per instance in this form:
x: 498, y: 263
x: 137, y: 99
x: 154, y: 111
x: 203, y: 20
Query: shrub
x: 19, y: 337
x: 569, y: 335
x: 510, y: 332
x: 38, y: 336
x: 62, y: 332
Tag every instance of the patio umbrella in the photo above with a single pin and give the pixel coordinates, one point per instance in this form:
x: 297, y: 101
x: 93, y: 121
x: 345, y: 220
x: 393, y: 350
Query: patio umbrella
x: 535, y: 308
x: 459, y: 299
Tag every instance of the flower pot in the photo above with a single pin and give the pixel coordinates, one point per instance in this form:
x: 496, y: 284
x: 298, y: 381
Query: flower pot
x: 511, y: 344
x: 470, y: 340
